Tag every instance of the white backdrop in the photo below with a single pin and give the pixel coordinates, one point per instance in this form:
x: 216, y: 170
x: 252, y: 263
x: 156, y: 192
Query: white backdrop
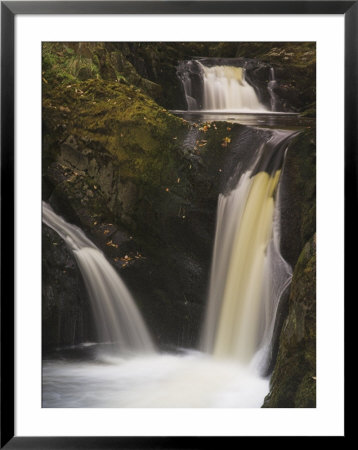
x: 327, y: 418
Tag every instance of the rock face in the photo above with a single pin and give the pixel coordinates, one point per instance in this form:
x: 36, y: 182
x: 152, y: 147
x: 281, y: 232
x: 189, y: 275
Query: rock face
x: 132, y: 177
x: 66, y: 314
x: 152, y: 67
x: 298, y: 195
x: 293, y: 382
x: 297, y: 309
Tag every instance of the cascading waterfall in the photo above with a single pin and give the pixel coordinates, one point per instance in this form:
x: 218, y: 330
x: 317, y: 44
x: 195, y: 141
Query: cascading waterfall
x: 189, y: 95
x: 248, y: 275
x: 221, y: 87
x: 226, y: 89
x: 116, y: 315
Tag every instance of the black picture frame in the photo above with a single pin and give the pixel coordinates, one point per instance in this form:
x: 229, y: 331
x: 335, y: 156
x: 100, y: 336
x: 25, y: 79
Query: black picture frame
x: 9, y: 10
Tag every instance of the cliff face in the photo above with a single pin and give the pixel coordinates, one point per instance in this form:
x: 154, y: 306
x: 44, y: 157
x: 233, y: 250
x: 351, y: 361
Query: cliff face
x: 143, y: 184
x: 137, y: 180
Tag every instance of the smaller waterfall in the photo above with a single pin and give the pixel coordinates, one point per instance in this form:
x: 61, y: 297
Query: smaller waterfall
x: 271, y: 88
x: 116, y: 315
x: 188, y: 90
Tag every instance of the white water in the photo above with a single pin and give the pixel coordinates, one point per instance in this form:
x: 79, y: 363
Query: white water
x: 226, y: 89
x: 248, y: 274
x: 171, y: 381
x: 116, y: 315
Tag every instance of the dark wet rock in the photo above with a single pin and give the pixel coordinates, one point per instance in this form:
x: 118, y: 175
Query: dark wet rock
x: 66, y: 312
x: 298, y: 195
x: 293, y: 382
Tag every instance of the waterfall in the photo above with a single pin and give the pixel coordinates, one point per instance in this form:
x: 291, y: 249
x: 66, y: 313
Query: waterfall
x: 116, y: 315
x: 188, y: 91
x: 218, y: 88
x: 226, y: 89
x: 270, y: 87
x: 248, y: 274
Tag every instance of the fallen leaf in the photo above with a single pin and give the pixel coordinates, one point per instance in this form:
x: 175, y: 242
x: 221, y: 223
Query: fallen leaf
x: 111, y: 244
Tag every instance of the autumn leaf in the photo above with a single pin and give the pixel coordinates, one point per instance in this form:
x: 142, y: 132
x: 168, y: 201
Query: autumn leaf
x: 226, y: 141
x: 111, y: 244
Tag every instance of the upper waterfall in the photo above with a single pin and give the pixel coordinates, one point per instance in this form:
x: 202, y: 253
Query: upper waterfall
x: 226, y: 89
x: 221, y: 87
x: 117, y: 318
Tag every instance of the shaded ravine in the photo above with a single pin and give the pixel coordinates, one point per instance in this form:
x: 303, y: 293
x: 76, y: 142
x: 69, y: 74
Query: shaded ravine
x: 249, y: 277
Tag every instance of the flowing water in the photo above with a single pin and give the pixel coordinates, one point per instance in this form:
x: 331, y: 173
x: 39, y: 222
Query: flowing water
x: 191, y: 379
x: 248, y: 274
x: 116, y: 316
x: 226, y: 89
x: 248, y: 278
